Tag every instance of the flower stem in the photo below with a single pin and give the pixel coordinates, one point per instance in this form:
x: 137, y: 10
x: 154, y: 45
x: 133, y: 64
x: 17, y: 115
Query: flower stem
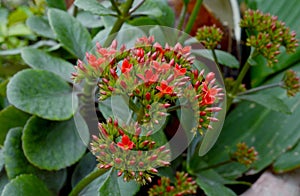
x: 119, y: 22
x: 182, y: 16
x: 87, y: 180
x: 115, y: 6
x: 215, y: 57
x: 279, y: 84
x: 193, y: 17
x: 239, y: 80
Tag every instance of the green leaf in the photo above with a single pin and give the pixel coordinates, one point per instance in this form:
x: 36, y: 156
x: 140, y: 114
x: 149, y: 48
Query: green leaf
x: 59, y: 4
x: 43, y: 140
x: 269, y: 132
x: 11, y: 117
x: 38, y: 59
x: 212, y: 188
x: 41, y: 26
x: 26, y: 185
x: 70, y: 32
x: 93, y: 6
x: 19, y: 29
x: 110, y: 183
x: 150, y: 8
x: 84, y: 167
x: 224, y: 58
x: 17, y: 164
x: 89, y: 20
x: 288, y: 161
x: 41, y: 93
x: 269, y: 101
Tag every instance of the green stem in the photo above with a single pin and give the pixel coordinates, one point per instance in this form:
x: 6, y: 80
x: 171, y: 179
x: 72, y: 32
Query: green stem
x: 87, y: 180
x: 137, y: 7
x: 239, y: 80
x: 193, y: 17
x: 118, y: 24
x: 182, y: 17
x: 279, y: 84
x: 215, y: 57
x: 115, y: 6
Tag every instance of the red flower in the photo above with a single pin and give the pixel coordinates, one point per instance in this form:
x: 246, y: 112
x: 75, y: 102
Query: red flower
x: 126, y: 66
x: 164, y: 88
x: 178, y: 71
x: 208, y: 95
x: 161, y: 68
x: 93, y: 61
x: 149, y: 77
x: 126, y: 144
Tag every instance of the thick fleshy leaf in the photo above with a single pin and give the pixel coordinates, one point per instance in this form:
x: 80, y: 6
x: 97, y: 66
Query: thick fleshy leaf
x: 271, y: 133
x: 38, y: 59
x: 53, y: 145
x: 287, y: 13
x: 149, y: 8
x: 212, y: 188
x: 288, y: 161
x: 26, y: 185
x: 84, y: 167
x: 224, y: 58
x: 70, y: 32
x: 17, y: 164
x: 41, y: 26
x: 1, y: 159
x: 268, y: 101
x: 93, y: 6
x: 11, y: 117
x: 41, y: 93
x: 60, y: 4
x: 110, y: 183
x: 89, y: 20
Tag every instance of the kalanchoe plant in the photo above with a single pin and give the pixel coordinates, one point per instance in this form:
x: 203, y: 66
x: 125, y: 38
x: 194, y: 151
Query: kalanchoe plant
x: 209, y: 36
x: 291, y: 83
x: 151, y: 78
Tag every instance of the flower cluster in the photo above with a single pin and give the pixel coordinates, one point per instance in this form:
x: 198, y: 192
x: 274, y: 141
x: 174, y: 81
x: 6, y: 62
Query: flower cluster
x: 183, y: 185
x: 244, y: 154
x: 209, y: 36
x: 267, y: 34
x: 291, y: 82
x: 152, y: 79
x: 126, y: 149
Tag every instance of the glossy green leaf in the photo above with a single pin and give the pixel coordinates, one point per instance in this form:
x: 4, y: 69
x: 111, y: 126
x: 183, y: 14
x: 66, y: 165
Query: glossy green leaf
x: 19, y: 29
x: 110, y: 183
x: 269, y: 101
x: 93, y: 6
x: 60, y: 4
x: 224, y: 58
x: 271, y: 133
x: 85, y: 166
x: 38, y: 59
x: 43, y: 140
x: 150, y: 8
x: 288, y: 161
x: 26, y: 185
x: 212, y: 188
x: 41, y: 93
x: 17, y: 164
x: 11, y: 117
x: 41, y: 26
x: 89, y: 20
x: 73, y: 36
x: 287, y: 13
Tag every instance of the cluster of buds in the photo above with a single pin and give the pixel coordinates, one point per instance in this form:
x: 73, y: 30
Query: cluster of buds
x: 152, y: 78
x: 125, y: 148
x: 183, y: 185
x: 244, y: 155
x: 209, y: 36
x: 291, y: 82
x: 267, y: 34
